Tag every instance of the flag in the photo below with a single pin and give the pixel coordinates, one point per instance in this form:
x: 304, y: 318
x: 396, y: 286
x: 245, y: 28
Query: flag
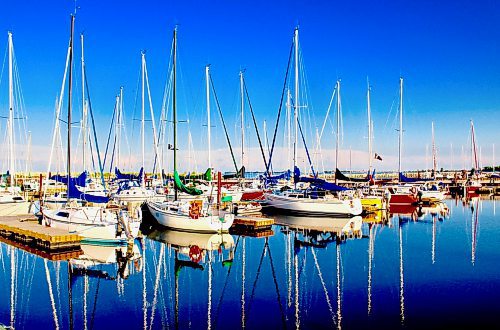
x: 378, y: 157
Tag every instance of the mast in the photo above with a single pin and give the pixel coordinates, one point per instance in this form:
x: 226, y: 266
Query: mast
x: 434, y: 160
x: 338, y: 129
x: 11, y: 113
x: 143, y: 64
x: 400, y: 142
x: 174, y: 105
x: 296, y: 100
x: 289, y: 128
x: 119, y: 122
x: 70, y: 83
x: 242, y: 121
x: 369, y: 114
x: 207, y: 78
x: 473, y: 146
x: 84, y: 108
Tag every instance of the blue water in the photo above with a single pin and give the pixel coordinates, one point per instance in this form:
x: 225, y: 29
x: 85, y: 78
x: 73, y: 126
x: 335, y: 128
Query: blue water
x: 413, y: 271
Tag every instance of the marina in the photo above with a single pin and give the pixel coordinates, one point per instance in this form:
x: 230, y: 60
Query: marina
x: 249, y: 165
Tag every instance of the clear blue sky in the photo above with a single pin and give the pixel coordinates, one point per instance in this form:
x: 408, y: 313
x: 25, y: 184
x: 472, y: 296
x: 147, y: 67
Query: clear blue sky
x: 447, y: 51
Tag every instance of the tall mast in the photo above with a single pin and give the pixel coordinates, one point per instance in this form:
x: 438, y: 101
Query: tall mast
x: 117, y: 127
x: 289, y: 128
x: 369, y: 113
x: 143, y: 64
x: 70, y: 83
x: 11, y: 113
x: 84, y: 110
x: 434, y: 160
x: 475, y: 163
x: 119, y: 132
x: 451, y: 154
x: 296, y: 100
x: 338, y: 129
x: 400, y: 142
x: 174, y: 104
x: 207, y: 78
x: 242, y: 121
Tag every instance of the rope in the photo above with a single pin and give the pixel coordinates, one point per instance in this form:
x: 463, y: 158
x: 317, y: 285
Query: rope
x: 307, y: 150
x: 93, y: 128
x: 281, y: 106
x: 223, y: 123
x: 255, y: 125
x: 109, y: 134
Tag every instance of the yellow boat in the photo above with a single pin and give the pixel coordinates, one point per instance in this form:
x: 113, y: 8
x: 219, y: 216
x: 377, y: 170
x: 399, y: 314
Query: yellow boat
x: 372, y: 203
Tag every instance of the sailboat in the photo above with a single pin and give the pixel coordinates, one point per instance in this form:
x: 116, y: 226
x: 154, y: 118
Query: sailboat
x: 11, y: 201
x: 473, y: 184
x: 196, y: 215
x: 401, y: 194
x: 96, y: 224
x: 319, y: 199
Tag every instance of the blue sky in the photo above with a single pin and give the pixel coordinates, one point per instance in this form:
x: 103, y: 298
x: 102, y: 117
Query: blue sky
x: 447, y: 52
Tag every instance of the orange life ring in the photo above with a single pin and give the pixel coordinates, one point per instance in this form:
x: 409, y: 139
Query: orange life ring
x: 195, y: 253
x: 194, y: 210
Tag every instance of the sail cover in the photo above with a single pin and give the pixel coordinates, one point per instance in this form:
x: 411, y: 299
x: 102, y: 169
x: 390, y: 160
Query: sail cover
x: 340, y: 176
x: 131, y: 177
x: 80, y: 180
x: 74, y: 192
x: 183, y: 188
x: 405, y: 179
x: 317, y: 183
x: 239, y: 174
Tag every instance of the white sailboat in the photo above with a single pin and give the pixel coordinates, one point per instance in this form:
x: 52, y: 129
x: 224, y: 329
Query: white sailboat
x: 96, y: 224
x: 11, y: 201
x: 303, y: 201
x: 188, y: 215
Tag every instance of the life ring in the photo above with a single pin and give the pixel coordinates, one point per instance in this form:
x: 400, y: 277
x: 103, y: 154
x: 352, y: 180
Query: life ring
x: 195, y: 253
x: 194, y: 210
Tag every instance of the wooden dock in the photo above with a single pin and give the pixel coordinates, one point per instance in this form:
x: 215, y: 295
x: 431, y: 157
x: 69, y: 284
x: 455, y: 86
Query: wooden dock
x: 26, y: 230
x: 253, y: 222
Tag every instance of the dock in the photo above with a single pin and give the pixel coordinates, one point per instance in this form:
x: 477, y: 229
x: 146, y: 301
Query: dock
x: 27, y: 232
x: 254, y: 226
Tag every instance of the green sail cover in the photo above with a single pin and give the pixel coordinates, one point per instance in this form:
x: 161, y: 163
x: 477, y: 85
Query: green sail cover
x: 183, y: 188
x: 208, y: 174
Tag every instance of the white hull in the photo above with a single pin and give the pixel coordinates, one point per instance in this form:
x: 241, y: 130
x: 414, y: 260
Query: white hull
x: 180, y: 219
x: 314, y: 207
x: 94, y: 224
x: 14, y: 208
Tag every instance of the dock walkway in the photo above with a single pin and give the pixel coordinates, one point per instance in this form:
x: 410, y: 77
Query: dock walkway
x: 26, y: 230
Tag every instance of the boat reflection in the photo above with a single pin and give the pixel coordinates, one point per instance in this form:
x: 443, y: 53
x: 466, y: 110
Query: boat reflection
x: 320, y: 231
x: 95, y: 256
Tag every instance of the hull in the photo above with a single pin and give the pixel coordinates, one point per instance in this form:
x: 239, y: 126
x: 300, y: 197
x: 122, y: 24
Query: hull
x: 402, y: 199
x: 15, y: 208
x: 372, y: 203
x: 313, y: 207
x: 256, y: 195
x: 432, y: 196
x: 96, y: 225
x: 180, y: 221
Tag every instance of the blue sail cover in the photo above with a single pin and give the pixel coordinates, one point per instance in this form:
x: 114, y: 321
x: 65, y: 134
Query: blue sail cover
x: 74, y: 192
x: 273, y: 179
x: 405, y: 179
x: 131, y: 177
x: 81, y: 180
x: 317, y: 183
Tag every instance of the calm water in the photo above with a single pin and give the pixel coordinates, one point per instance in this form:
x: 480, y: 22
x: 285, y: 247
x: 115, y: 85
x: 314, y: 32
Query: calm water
x: 415, y: 270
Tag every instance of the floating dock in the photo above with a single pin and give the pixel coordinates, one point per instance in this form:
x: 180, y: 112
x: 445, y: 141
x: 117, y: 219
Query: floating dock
x: 252, y: 226
x: 253, y: 222
x: 26, y: 231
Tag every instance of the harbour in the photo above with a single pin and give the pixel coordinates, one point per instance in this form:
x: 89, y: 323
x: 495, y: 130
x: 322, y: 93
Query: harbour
x: 249, y: 165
